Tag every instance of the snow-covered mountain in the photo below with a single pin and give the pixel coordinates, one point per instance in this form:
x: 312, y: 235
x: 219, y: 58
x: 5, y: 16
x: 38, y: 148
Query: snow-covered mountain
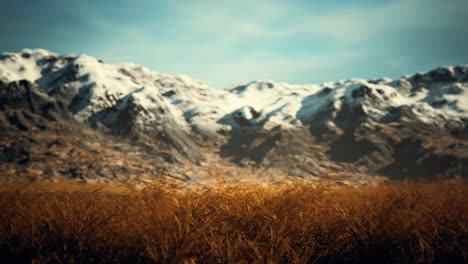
x: 90, y: 87
x: 185, y: 117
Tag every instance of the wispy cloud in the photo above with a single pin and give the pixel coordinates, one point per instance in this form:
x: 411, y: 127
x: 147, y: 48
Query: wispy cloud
x: 362, y: 40
x: 356, y: 25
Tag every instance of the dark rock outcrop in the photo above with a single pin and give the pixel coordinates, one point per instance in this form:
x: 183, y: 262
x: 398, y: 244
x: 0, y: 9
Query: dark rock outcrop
x: 23, y: 95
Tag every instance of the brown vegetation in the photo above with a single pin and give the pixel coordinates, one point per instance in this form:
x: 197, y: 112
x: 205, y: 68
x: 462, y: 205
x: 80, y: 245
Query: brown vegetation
x: 405, y: 222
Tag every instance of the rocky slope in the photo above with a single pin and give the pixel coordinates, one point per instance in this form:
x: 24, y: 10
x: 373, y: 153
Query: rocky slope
x: 413, y: 126
x: 41, y: 139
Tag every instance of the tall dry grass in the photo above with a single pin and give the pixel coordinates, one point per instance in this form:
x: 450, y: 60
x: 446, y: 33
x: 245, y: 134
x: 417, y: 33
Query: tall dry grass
x: 405, y: 222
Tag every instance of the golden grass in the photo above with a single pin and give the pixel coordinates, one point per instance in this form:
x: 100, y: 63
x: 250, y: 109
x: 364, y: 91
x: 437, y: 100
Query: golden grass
x: 405, y: 222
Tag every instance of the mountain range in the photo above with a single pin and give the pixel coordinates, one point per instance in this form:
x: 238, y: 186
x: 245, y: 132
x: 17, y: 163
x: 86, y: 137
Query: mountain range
x: 76, y: 116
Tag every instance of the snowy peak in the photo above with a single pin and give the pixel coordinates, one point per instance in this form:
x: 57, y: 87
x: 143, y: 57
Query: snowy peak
x: 442, y: 74
x: 126, y: 99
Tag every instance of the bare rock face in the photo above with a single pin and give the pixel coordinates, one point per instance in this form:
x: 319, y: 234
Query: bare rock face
x: 149, y: 126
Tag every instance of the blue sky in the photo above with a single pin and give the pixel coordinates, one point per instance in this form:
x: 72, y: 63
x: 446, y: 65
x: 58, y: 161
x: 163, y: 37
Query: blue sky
x: 223, y: 44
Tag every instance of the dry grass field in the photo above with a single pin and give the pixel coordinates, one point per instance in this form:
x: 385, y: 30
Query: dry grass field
x: 299, y: 222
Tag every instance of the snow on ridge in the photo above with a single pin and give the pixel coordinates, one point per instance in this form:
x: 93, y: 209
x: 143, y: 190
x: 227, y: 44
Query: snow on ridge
x: 193, y: 105
x: 36, y: 53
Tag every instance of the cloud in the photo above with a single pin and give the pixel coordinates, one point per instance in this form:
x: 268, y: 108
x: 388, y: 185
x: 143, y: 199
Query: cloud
x: 232, y: 21
x: 224, y: 43
x: 389, y: 38
x: 356, y: 25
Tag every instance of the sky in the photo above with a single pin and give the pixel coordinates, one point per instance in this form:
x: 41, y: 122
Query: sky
x: 225, y: 43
